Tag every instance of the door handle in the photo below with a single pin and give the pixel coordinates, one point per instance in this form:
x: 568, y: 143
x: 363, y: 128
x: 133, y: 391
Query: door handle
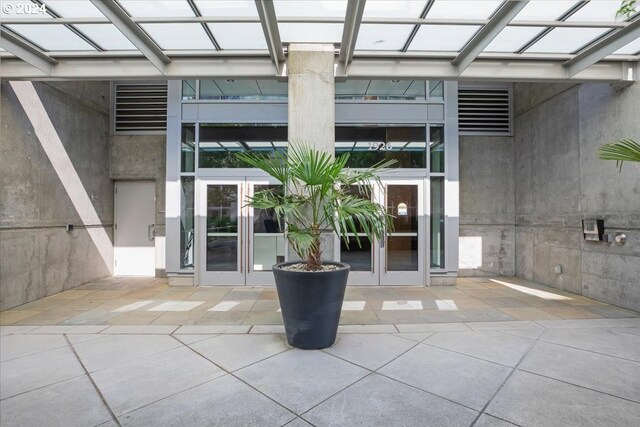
x: 151, y: 231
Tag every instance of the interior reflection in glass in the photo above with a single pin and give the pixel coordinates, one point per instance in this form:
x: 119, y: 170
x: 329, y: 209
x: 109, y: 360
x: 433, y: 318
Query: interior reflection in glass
x: 222, y: 227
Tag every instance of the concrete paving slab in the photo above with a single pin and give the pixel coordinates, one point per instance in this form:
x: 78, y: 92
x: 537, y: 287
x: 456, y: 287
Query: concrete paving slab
x: 267, y: 329
x: 225, y: 401
x: 14, y: 346
x: 300, y: 379
x: 502, y: 326
x: 610, y: 375
x: 193, y: 338
x: 366, y: 329
x: 432, y: 327
x: 15, y: 330
x: 460, y: 378
x: 131, y: 385
x: 532, y: 400
x: 532, y: 334
x: 38, y: 370
x: 489, y: 421
x: 603, y: 341
x: 67, y: 404
x: 298, y: 422
x: 380, y: 401
x: 492, y: 346
x: 232, y: 352
x: 141, y: 329
x: 415, y: 336
x: 213, y: 329
x: 578, y: 323
x: 371, y: 351
x: 112, y: 350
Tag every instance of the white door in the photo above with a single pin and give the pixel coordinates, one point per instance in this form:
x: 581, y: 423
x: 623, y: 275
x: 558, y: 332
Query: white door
x: 134, y: 245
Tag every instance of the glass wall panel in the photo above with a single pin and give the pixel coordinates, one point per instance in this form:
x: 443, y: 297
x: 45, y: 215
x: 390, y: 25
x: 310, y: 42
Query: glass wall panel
x: 220, y: 143
x: 437, y: 222
x: 188, y: 90
x: 186, y: 222
x: 436, y: 89
x: 187, y: 160
x: 369, y: 145
x: 268, y: 235
x: 222, y: 227
x: 381, y: 90
x: 402, y: 242
x: 357, y: 253
x: 436, y: 148
x: 251, y: 90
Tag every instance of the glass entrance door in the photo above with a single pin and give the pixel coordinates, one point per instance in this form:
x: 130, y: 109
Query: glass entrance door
x: 237, y: 244
x: 400, y: 258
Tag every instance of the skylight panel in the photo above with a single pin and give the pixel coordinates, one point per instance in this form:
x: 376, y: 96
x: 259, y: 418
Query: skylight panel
x: 595, y: 11
x: 442, y: 37
x: 227, y: 8
x: 543, y: 10
x: 566, y: 40
x: 310, y: 33
x: 443, y: 9
x: 512, y: 39
x: 106, y: 36
x: 52, y: 36
x: 179, y: 36
x: 74, y: 8
x: 630, y: 49
x: 311, y: 8
x: 238, y: 35
x: 157, y: 8
x: 382, y: 36
x: 394, y: 9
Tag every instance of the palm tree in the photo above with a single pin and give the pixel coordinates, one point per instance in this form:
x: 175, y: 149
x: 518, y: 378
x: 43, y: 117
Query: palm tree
x: 317, y: 198
x: 620, y: 151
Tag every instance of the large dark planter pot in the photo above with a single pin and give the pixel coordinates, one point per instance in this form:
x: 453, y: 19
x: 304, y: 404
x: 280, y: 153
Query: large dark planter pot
x: 311, y: 303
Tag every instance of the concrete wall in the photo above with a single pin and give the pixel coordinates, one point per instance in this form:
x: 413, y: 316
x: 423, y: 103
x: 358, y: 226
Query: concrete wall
x: 559, y: 180
x: 38, y: 257
x: 143, y: 157
x: 487, y: 206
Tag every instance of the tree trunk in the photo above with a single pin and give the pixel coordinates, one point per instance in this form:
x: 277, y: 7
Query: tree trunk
x: 314, y: 260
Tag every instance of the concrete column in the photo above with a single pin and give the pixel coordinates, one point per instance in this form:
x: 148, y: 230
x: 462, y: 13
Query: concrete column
x: 312, y: 95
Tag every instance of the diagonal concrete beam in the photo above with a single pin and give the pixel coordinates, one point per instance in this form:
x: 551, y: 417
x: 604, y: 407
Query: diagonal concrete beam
x: 133, y: 32
x: 26, y: 51
x: 604, y: 47
x: 352, y: 20
x: 487, y: 33
x: 269, y: 22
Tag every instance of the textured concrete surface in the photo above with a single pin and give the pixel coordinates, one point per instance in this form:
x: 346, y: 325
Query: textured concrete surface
x: 487, y: 206
x: 38, y: 257
x: 554, y: 373
x: 559, y: 180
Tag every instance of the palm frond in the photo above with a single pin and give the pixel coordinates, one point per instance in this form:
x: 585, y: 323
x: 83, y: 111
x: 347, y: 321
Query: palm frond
x: 620, y: 151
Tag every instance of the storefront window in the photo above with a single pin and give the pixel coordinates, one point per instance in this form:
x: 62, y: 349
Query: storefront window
x: 436, y: 148
x: 437, y: 222
x: 188, y: 90
x: 436, y: 89
x: 188, y: 148
x: 381, y: 90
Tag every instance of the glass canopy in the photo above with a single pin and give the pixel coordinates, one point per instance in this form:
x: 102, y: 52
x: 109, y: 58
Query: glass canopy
x: 374, y: 28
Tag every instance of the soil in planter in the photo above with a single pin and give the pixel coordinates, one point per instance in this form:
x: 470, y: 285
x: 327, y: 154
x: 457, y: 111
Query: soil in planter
x: 301, y: 266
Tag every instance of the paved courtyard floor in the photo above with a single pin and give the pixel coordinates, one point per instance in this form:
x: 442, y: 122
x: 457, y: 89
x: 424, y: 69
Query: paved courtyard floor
x: 487, y: 352
x: 131, y: 301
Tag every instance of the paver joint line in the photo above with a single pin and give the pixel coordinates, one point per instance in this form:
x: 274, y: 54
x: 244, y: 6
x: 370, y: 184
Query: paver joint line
x: 95, y: 386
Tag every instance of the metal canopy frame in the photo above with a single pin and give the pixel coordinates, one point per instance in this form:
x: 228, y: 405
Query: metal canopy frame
x: 597, y: 60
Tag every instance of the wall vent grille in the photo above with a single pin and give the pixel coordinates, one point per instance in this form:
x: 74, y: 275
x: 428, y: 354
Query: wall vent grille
x: 140, y: 108
x: 484, y: 110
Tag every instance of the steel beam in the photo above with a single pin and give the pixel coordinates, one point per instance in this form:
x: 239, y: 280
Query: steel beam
x: 133, y: 32
x: 269, y: 22
x: 486, y: 34
x: 26, y: 51
x: 352, y: 20
x: 602, y: 48
x: 107, y: 68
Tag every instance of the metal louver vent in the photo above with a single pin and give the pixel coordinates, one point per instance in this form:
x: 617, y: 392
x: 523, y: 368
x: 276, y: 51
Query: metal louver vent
x: 484, y: 110
x: 140, y: 107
